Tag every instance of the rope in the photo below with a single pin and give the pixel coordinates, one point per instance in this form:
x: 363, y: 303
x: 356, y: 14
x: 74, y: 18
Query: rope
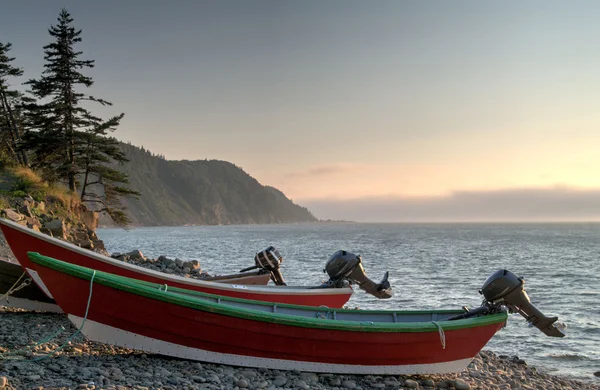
x: 442, y: 334
x: 14, y: 287
x: 7, y: 355
x: 319, y: 315
x: 87, y: 309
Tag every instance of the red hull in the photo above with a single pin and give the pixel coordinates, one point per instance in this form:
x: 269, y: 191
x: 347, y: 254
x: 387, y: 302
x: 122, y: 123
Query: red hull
x: 222, y: 334
x: 22, y: 240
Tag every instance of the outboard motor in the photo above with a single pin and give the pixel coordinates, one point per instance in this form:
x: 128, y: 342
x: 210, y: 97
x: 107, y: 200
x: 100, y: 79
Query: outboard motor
x: 269, y: 260
x: 345, y: 266
x: 505, y: 289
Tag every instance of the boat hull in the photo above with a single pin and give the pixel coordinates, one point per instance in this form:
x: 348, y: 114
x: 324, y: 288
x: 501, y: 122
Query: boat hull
x: 144, y: 322
x: 30, y: 297
x: 22, y: 240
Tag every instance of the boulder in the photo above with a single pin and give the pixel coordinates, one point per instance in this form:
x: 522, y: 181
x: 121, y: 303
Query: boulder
x: 87, y: 244
x: 135, y: 255
x: 12, y: 215
x: 57, y: 228
x: 25, y: 210
x: 179, y: 263
x: 89, y: 219
x: 192, y: 264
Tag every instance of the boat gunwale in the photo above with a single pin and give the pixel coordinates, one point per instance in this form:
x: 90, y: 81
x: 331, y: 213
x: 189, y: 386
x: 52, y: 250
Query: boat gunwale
x: 266, y: 290
x: 175, y: 296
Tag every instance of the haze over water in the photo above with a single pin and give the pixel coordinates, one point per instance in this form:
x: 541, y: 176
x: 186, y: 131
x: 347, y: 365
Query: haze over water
x: 431, y: 266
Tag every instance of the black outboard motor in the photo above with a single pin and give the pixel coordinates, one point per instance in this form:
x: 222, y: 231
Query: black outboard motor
x: 344, y: 266
x: 505, y: 289
x: 269, y: 260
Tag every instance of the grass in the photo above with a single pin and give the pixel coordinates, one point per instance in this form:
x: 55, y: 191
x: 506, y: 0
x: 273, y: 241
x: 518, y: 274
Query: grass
x: 19, y: 182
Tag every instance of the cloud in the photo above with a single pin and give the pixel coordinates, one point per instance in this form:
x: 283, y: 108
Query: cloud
x: 317, y: 171
x: 521, y: 204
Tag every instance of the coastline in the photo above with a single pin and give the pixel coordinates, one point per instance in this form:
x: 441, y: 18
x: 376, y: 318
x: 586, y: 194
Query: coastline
x: 88, y: 365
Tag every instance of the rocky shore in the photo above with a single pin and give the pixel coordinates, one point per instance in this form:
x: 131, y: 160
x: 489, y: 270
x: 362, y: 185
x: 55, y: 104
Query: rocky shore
x: 82, y: 364
x: 188, y: 269
x: 67, y: 362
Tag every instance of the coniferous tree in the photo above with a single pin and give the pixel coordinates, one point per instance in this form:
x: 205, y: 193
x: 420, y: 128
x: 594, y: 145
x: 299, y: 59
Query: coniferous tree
x: 66, y: 140
x: 10, y: 133
x: 103, y: 185
x: 60, y: 119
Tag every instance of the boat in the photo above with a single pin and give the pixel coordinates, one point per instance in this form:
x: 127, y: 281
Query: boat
x: 16, y: 290
x: 192, y: 325
x: 335, y: 293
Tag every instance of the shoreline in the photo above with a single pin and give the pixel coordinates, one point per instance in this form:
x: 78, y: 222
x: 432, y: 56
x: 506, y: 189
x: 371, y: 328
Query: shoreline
x: 89, y: 365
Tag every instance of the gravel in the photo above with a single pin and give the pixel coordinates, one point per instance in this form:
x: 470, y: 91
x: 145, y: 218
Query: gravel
x: 83, y: 364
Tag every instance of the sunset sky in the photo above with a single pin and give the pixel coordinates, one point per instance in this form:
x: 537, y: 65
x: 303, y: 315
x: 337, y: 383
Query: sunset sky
x: 371, y: 111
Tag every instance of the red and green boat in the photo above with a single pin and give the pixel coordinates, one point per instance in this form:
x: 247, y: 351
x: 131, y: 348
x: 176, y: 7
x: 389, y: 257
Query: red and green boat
x: 22, y: 240
x: 193, y: 325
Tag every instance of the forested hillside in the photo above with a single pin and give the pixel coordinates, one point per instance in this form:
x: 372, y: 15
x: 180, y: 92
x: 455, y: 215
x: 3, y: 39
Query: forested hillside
x: 199, y: 192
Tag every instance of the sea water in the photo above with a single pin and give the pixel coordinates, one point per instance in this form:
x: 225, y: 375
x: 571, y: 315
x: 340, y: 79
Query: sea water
x: 431, y: 266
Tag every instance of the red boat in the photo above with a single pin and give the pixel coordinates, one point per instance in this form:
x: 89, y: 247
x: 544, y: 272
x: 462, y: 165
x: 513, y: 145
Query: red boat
x: 16, y: 290
x: 187, y: 324
x: 22, y: 239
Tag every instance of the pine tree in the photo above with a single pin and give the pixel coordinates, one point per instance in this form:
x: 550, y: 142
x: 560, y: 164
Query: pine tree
x: 103, y: 185
x: 67, y: 141
x: 10, y: 133
x: 60, y: 119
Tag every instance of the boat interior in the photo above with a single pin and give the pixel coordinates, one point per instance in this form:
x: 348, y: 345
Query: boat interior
x: 323, y: 312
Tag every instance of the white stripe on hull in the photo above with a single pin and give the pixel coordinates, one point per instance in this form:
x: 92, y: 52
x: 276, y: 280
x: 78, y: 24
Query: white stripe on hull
x: 96, y: 331
x: 28, y: 304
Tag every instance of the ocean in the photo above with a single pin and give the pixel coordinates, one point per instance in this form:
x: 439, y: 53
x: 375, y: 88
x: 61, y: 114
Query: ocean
x: 430, y: 265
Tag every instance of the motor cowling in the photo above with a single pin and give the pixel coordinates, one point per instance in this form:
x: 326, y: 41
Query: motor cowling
x: 269, y: 259
x: 505, y: 288
x: 345, y: 266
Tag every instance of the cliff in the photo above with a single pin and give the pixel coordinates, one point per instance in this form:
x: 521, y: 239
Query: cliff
x: 202, y: 192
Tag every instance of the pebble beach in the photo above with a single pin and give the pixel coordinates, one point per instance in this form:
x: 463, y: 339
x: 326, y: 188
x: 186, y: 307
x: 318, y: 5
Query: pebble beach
x: 68, y: 361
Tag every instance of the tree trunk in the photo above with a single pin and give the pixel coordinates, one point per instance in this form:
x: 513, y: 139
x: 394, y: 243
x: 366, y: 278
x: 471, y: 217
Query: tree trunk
x: 12, y: 129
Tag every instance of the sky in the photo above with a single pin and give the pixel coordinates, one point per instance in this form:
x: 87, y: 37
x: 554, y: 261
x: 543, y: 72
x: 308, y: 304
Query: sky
x: 369, y: 111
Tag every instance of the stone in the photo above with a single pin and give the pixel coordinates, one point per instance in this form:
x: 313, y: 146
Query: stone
x: 186, y: 270
x: 309, y: 377
x: 302, y: 385
x: 25, y: 210
x: 241, y: 383
x: 597, y: 374
x: 348, y: 384
x: 428, y: 383
x: 192, y: 264
x: 179, y: 263
x: 89, y: 219
x: 279, y: 381
x: 57, y: 228
x: 12, y: 215
x: 411, y: 384
x: 3, y: 381
x: 248, y: 374
x: 459, y: 384
x: 135, y: 255
x: 33, y: 377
